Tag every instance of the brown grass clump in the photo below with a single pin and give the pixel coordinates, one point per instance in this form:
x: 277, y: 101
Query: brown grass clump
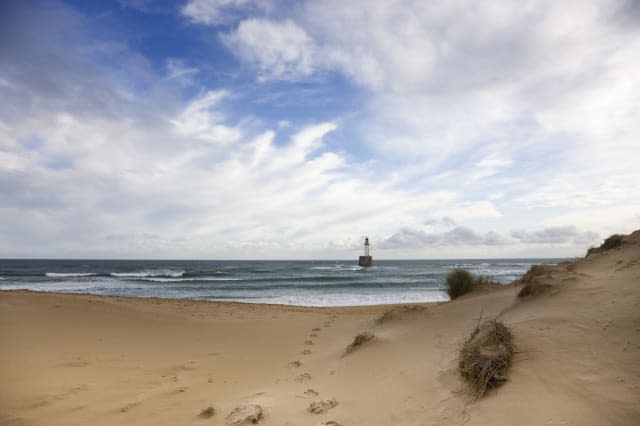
x: 536, y: 280
x: 459, y: 282
x: 386, y: 316
x: 483, y: 281
x: 207, y: 412
x: 486, y: 356
x: 358, y: 341
x: 612, y: 242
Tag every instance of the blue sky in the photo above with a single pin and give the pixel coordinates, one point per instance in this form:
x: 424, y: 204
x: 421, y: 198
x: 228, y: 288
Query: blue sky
x: 271, y: 129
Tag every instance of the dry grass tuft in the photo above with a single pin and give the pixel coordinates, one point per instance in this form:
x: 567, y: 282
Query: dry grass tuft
x: 386, y: 316
x: 536, y: 280
x: 612, y: 242
x: 358, y: 341
x: 459, y: 282
x: 207, y: 412
x: 482, y: 281
x: 486, y: 356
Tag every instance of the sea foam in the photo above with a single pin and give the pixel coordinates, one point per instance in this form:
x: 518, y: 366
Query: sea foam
x: 70, y: 274
x: 152, y: 273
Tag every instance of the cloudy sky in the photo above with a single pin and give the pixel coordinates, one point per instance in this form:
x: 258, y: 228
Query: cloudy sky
x: 230, y: 129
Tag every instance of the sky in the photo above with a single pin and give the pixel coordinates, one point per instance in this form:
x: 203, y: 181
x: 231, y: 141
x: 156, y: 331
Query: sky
x: 238, y: 129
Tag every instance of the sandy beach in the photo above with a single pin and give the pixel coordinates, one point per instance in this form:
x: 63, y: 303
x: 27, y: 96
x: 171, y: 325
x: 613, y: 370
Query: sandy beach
x: 81, y: 359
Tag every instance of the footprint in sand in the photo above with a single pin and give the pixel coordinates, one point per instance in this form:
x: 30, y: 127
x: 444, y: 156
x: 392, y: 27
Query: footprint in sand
x: 321, y: 407
x: 308, y: 342
x: 315, y: 329
x: 306, y: 352
x: 295, y: 364
x: 313, y: 335
x: 129, y: 407
x: 303, y: 377
x: 311, y: 392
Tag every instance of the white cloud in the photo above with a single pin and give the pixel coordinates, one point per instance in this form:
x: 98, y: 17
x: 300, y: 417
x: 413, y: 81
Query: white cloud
x: 556, y: 235
x: 464, y: 211
x: 179, y: 71
x: 212, y: 12
x: 280, y: 50
x: 200, y: 120
x: 464, y: 236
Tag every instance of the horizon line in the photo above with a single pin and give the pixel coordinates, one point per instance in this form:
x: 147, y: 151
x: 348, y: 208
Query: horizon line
x: 281, y: 260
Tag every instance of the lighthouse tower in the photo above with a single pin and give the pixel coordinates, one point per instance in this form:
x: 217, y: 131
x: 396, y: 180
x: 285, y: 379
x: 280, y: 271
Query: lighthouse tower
x: 365, y: 260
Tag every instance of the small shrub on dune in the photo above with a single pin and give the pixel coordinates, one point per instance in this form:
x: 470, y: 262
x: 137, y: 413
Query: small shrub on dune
x: 358, y: 341
x: 482, y: 281
x: 459, y: 282
x: 207, y: 412
x: 486, y: 356
x: 536, y: 281
x: 612, y: 242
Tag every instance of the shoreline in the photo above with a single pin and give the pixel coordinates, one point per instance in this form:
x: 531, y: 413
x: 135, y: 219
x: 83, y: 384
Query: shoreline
x: 232, y: 303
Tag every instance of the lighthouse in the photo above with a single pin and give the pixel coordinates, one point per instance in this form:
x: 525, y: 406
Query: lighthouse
x: 365, y: 260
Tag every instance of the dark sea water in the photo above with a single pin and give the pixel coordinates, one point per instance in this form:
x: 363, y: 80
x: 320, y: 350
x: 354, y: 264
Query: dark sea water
x: 302, y: 283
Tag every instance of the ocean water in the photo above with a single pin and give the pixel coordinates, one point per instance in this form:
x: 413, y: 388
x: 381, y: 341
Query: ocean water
x: 301, y: 283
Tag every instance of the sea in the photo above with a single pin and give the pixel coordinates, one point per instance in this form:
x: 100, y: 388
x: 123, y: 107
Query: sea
x: 299, y: 283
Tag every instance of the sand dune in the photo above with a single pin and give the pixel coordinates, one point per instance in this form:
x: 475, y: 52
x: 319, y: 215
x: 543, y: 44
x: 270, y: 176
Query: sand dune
x: 79, y: 360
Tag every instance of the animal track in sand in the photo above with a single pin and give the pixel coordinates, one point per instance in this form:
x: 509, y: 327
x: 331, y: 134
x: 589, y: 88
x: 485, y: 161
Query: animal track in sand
x: 295, y: 364
x: 313, y: 335
x: 308, y: 342
x: 306, y: 352
x: 315, y: 329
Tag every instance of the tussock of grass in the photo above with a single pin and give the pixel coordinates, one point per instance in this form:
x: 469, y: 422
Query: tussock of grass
x: 612, y: 242
x: 485, y: 356
x: 536, y: 280
x: 207, y: 412
x: 358, y: 341
x: 482, y: 281
x: 460, y: 281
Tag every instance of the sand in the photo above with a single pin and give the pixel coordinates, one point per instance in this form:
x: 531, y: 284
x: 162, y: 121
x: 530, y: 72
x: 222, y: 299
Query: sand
x: 89, y: 360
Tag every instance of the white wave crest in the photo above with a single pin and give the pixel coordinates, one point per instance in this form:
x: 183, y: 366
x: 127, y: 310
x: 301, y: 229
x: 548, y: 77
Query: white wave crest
x: 178, y: 280
x: 155, y: 273
x: 338, y: 268
x: 327, y: 300
x: 69, y: 274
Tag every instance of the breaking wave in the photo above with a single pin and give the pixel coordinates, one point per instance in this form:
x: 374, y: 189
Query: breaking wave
x: 155, y: 273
